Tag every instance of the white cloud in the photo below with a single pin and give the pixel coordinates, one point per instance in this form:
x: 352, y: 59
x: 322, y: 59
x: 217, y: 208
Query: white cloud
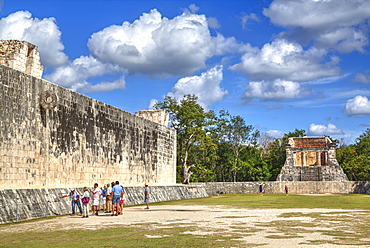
x: 317, y: 129
x: 213, y: 23
x: 332, y: 23
x: 246, y: 18
x: 286, y: 60
x: 275, y: 133
x: 358, y: 106
x: 75, y: 73
x: 103, y: 86
x: 157, y: 46
x: 43, y: 33
x: 152, y: 103
x: 278, y: 90
x: 362, y: 77
x: 206, y: 87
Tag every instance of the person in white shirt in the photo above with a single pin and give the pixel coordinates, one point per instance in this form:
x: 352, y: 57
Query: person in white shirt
x: 96, y: 197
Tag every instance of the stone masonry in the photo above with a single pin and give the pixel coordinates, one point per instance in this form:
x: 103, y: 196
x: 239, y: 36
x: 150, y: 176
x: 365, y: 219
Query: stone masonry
x: 53, y: 137
x: 21, y: 56
x: 311, y: 159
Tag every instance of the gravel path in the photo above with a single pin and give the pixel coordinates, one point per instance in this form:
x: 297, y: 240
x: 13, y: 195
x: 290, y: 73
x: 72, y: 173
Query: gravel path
x: 255, y: 224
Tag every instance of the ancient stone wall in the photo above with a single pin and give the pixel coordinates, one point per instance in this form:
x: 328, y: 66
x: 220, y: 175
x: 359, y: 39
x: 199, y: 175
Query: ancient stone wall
x: 311, y: 159
x: 54, y: 137
x: 24, y: 204
x: 157, y: 115
x: 22, y: 56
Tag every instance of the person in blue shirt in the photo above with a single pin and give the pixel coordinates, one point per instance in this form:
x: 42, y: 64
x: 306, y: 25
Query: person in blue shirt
x: 117, y: 193
x: 75, y: 198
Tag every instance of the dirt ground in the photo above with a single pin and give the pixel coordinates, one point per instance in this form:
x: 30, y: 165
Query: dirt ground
x: 206, y: 219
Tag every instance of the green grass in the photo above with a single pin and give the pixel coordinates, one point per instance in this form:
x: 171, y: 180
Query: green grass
x: 280, y: 201
x: 342, y: 228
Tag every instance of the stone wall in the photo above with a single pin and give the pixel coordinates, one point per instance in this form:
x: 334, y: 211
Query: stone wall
x: 24, y: 204
x: 22, y: 56
x: 54, y: 137
x: 294, y: 187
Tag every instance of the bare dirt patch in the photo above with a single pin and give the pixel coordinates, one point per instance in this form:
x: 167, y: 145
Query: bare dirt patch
x: 263, y: 227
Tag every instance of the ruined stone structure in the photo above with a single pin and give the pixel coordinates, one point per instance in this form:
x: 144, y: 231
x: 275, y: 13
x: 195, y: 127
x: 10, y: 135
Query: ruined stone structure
x: 53, y: 137
x: 157, y: 115
x: 21, y: 56
x: 311, y: 159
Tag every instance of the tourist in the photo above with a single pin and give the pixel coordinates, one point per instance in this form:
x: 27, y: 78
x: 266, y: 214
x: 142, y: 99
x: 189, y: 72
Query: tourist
x: 117, y: 193
x: 286, y: 190
x: 261, y: 189
x: 104, y: 198
x: 109, y: 199
x: 146, y: 196
x: 122, y: 201
x: 96, y: 197
x: 85, y: 201
x: 111, y: 196
x: 75, y: 198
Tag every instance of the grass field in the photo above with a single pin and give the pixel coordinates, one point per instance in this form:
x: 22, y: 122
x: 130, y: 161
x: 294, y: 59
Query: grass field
x: 340, y: 228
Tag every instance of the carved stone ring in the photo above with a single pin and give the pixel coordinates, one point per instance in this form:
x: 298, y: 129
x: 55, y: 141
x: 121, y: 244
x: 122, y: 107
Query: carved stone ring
x: 48, y: 100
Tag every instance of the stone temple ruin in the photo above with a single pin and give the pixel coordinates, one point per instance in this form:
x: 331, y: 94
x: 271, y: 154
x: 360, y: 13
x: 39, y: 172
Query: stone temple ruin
x: 311, y: 159
x: 22, y: 56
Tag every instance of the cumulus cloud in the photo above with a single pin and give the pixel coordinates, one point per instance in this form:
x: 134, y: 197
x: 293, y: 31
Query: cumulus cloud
x: 277, y: 90
x: 206, y: 87
x: 246, y: 18
x: 330, y: 129
x: 74, y: 75
x: 157, y: 46
x: 362, y: 77
x: 338, y: 24
x: 152, y: 103
x: 358, y: 106
x: 43, y: 33
x: 286, y: 60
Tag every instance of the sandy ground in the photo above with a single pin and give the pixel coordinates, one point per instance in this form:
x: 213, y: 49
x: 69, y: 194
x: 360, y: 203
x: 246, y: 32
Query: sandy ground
x: 206, y: 219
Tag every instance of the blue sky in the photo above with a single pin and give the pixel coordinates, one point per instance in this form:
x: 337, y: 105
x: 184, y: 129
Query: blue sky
x: 279, y: 64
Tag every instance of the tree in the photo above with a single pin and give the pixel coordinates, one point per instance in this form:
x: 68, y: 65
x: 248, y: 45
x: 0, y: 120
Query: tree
x: 276, y: 155
x: 237, y: 136
x: 355, y: 158
x: 189, y: 119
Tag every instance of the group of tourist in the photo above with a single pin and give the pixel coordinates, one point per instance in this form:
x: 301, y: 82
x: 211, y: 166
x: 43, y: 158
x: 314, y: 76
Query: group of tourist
x: 110, y: 195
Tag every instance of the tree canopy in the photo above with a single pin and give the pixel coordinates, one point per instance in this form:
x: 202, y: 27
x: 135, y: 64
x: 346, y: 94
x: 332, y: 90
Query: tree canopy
x: 222, y: 147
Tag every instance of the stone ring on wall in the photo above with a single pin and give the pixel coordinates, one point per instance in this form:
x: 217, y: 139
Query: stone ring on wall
x: 48, y: 100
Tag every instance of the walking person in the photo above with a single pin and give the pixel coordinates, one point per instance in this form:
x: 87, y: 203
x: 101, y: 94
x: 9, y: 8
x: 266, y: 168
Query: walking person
x: 286, y: 190
x: 146, y: 196
x: 261, y: 189
x: 85, y: 202
x: 117, y: 193
x: 75, y: 200
x: 96, y: 197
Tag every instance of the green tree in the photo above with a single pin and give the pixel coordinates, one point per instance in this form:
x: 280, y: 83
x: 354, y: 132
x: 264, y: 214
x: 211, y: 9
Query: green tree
x: 276, y: 154
x: 355, y: 158
x: 235, y: 137
x: 190, y: 120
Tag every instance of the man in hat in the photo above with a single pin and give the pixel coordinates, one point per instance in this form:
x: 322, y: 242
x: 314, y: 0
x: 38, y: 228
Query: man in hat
x: 75, y: 198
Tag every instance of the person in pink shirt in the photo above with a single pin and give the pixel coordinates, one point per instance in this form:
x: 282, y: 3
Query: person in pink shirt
x: 96, y: 197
